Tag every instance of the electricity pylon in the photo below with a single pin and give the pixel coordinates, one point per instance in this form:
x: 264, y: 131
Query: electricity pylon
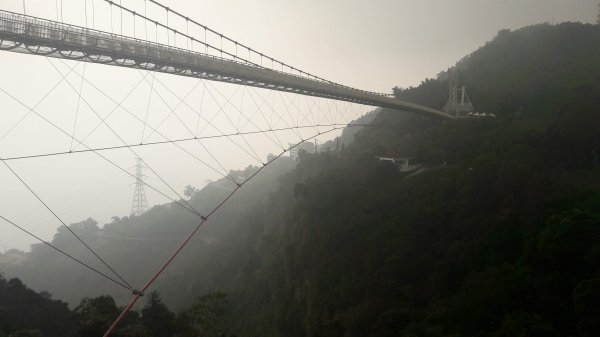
x: 140, y: 203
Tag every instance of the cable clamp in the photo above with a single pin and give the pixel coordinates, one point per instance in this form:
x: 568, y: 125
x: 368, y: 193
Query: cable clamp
x: 137, y: 292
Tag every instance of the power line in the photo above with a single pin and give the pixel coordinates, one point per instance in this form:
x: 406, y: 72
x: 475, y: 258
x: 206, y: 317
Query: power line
x: 154, y: 130
x: 46, y: 95
x: 228, y: 101
x: 65, y: 253
x: 117, y: 147
x: 227, y: 175
x: 138, y: 294
x: 172, y: 112
x: 78, y: 104
x: 148, y: 107
x: 209, y: 122
x: 124, y: 143
x: 268, y: 122
x: 96, y: 152
x: 117, y: 104
x: 290, y: 115
x: 64, y: 224
x: 181, y: 100
x: 203, y: 218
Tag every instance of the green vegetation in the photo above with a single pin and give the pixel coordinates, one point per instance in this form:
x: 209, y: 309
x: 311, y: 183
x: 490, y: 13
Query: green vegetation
x: 497, y: 235
x: 25, y: 313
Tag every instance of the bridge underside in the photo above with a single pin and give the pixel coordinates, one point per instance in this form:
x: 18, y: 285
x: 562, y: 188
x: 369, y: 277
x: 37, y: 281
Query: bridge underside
x: 25, y: 34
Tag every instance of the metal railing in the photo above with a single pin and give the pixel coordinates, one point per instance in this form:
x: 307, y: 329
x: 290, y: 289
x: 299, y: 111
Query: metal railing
x: 50, y: 38
x: 78, y: 38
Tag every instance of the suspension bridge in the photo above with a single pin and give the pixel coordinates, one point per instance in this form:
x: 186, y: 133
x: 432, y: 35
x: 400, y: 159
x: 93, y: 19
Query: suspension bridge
x: 238, y: 64
x: 26, y: 34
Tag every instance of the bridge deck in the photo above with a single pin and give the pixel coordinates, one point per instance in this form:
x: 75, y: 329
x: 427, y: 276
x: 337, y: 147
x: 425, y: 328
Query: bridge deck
x: 26, y: 34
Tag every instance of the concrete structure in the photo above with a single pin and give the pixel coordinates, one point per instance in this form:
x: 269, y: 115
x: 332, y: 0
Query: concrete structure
x: 403, y: 164
x: 26, y: 34
x: 480, y: 115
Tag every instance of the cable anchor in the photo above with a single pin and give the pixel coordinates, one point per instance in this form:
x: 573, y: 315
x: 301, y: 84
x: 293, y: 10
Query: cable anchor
x: 137, y: 292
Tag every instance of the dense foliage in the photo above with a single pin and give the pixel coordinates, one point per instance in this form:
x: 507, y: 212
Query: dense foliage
x: 25, y: 313
x: 497, y: 234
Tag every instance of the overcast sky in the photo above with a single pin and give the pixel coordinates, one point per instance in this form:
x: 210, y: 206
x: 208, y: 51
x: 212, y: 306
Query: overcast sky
x: 373, y: 45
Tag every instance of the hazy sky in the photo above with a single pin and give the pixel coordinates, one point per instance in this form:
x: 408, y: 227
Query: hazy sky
x: 373, y: 45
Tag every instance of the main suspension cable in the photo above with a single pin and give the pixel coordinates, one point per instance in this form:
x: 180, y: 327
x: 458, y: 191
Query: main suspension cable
x: 169, y: 29
x: 238, y: 44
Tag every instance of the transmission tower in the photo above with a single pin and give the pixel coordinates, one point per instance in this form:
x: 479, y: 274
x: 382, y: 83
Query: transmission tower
x: 140, y: 204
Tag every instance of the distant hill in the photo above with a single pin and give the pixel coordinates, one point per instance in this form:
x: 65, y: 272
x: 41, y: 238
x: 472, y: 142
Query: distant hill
x: 22, y: 309
x: 137, y: 245
x: 534, y: 71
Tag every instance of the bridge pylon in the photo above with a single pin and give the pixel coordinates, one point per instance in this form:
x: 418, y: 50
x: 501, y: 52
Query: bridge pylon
x: 458, y: 103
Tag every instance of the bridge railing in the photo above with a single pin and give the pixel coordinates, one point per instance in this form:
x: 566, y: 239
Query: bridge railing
x: 50, y: 38
x: 77, y: 37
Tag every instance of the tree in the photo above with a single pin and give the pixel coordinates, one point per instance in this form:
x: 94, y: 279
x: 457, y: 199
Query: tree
x: 190, y: 191
x: 205, y: 317
x: 94, y: 315
x: 157, y: 317
x: 26, y: 333
x: 87, y: 230
x: 586, y: 299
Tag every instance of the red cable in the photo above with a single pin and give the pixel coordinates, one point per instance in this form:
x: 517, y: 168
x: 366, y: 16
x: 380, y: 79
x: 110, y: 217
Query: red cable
x: 139, y: 293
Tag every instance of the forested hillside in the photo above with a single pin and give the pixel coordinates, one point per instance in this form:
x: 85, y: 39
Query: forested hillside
x: 26, y: 313
x: 498, y: 233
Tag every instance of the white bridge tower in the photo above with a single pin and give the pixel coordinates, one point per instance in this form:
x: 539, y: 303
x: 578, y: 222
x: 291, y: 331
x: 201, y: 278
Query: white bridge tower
x: 458, y: 103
